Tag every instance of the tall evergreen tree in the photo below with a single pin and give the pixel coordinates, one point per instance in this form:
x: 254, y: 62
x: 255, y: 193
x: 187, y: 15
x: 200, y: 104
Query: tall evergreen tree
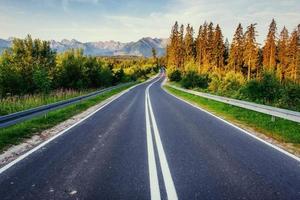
x: 283, y: 54
x: 269, y: 50
x: 294, y: 54
x: 174, y: 48
x: 218, y: 49
x: 181, y: 47
x: 251, y: 50
x: 189, y: 43
x: 199, y: 47
x: 209, y: 47
x: 202, y: 48
x: 235, y: 60
x: 204, y: 42
x: 298, y: 53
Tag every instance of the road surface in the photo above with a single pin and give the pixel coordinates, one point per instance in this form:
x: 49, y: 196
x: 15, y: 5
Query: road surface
x: 148, y: 144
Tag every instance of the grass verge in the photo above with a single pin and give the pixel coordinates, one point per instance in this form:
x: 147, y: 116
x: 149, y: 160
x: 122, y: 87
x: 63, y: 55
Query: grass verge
x: 17, y: 133
x: 282, y: 130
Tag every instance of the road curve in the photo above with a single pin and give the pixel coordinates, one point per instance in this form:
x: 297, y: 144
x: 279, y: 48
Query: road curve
x: 148, y: 144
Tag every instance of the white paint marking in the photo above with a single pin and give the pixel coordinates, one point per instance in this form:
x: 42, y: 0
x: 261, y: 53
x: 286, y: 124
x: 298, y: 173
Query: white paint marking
x: 154, y: 185
x: 244, y: 131
x: 59, y: 134
x: 168, y: 181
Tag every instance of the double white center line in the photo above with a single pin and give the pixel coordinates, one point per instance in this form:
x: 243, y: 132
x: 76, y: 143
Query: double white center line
x: 168, y: 181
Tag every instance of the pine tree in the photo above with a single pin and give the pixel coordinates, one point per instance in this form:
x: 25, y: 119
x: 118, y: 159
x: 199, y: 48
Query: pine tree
x: 294, y: 54
x: 189, y: 44
x: 181, y: 47
x: 209, y: 47
x: 199, y: 47
x: 218, y: 49
x: 203, y: 49
x: 283, y: 54
x: 235, y: 60
x: 298, y: 53
x: 269, y: 50
x: 173, y: 49
x: 251, y: 50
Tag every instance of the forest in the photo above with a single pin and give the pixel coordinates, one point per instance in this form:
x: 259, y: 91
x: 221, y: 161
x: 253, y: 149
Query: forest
x: 266, y: 73
x: 32, y: 74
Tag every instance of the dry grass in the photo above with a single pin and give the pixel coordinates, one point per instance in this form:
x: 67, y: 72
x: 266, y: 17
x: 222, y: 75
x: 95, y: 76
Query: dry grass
x: 13, y: 104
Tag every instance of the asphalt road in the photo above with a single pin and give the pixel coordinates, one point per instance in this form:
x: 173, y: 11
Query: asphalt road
x: 148, y: 144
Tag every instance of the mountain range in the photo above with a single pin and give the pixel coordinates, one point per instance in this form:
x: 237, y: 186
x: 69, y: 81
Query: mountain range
x: 142, y: 47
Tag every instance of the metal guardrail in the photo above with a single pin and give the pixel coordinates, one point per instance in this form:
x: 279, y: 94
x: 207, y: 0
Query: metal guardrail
x: 269, y: 110
x: 10, y: 119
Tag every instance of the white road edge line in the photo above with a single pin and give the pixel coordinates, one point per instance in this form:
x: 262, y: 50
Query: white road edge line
x: 229, y: 123
x: 168, y: 181
x: 153, y: 177
x: 4, y: 168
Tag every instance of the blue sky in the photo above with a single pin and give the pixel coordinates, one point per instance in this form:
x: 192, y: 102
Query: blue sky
x: 129, y: 20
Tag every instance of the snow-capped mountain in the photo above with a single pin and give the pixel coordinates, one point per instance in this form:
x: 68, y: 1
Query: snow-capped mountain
x: 142, y: 47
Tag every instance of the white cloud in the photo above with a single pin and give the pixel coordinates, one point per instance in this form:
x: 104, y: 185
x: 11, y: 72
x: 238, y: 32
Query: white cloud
x: 227, y: 14
x: 128, y: 27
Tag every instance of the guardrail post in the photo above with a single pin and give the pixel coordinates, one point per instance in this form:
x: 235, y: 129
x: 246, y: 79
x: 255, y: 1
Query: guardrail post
x: 273, y: 118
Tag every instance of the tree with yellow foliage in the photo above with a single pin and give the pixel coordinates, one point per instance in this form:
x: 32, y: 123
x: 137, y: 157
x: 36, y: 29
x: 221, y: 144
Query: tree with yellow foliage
x: 235, y: 60
x: 283, y: 60
x: 269, y: 49
x: 294, y: 57
x: 218, y: 49
x: 251, y: 50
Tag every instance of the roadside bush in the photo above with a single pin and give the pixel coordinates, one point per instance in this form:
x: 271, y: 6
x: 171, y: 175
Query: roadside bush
x: 251, y: 91
x: 267, y: 90
x: 231, y: 84
x: 193, y: 80
x: 119, y: 76
x: 270, y: 87
x: 175, y: 75
x: 290, y: 96
x: 106, y: 77
x: 216, y: 81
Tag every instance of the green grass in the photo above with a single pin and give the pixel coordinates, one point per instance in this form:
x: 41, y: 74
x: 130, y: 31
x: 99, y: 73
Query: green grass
x: 281, y: 129
x: 13, y: 104
x: 17, y: 133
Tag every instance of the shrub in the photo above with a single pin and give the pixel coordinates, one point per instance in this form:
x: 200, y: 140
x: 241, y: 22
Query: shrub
x: 175, y: 75
x: 106, y: 77
x: 231, y: 83
x: 215, y: 82
x: 119, y: 76
x: 203, y: 81
x: 252, y: 90
x: 266, y: 90
x: 270, y: 87
x: 290, y: 96
x: 192, y: 80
